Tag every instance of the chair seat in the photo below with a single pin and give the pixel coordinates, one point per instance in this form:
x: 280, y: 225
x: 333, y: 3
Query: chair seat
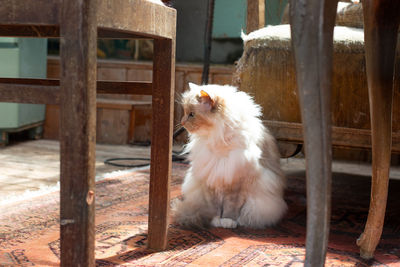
x: 115, y: 19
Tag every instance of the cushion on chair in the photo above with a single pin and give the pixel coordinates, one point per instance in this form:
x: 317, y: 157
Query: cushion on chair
x: 279, y: 37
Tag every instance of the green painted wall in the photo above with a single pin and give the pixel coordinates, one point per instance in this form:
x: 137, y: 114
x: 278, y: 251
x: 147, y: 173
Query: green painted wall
x: 22, y: 57
x: 9, y: 68
x: 230, y: 16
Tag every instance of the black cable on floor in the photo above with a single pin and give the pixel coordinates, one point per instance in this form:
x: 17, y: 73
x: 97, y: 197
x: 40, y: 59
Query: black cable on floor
x: 113, y: 161
x: 176, y: 156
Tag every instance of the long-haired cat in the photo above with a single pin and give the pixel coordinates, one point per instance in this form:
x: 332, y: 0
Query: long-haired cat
x: 235, y: 176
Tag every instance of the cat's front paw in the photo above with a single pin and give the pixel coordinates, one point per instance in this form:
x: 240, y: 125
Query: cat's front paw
x: 223, y: 222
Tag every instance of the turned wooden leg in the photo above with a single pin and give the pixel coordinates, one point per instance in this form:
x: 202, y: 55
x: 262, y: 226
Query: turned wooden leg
x: 312, y: 23
x: 161, y: 142
x: 381, y: 22
x: 78, y: 131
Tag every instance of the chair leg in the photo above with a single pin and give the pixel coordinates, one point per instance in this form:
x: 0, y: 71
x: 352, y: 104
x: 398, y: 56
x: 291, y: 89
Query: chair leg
x: 78, y: 32
x: 161, y: 142
x: 381, y: 22
x: 312, y: 23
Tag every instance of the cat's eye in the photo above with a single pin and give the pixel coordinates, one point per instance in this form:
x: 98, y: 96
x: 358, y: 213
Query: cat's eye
x: 191, y: 115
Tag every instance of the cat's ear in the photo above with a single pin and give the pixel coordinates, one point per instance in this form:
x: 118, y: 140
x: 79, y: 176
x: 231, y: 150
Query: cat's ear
x: 207, y: 103
x: 193, y: 86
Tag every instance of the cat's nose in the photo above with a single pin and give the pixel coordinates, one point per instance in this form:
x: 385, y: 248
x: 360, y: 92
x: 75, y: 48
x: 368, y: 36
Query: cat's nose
x: 183, y: 121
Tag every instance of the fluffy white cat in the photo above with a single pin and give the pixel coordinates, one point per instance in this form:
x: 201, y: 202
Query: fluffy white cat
x: 235, y: 176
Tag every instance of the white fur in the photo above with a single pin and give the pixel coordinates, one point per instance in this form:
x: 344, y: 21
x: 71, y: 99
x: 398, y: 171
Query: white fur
x: 156, y: 2
x: 282, y: 32
x: 230, y: 154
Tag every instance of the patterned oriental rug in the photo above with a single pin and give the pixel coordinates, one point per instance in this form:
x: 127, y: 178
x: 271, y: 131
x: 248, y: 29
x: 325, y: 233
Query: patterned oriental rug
x: 29, y: 230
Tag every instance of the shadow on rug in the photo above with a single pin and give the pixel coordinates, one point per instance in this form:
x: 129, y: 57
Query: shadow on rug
x: 29, y: 231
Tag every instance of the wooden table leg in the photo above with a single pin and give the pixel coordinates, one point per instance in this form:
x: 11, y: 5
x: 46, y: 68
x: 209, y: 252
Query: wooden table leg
x: 161, y: 142
x: 381, y: 23
x: 77, y: 131
x: 312, y: 23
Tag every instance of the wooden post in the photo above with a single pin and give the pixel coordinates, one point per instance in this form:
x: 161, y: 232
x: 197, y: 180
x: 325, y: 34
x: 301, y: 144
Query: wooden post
x: 381, y: 24
x: 161, y: 142
x: 312, y: 40
x: 255, y: 15
x: 78, y: 44
x: 207, y: 42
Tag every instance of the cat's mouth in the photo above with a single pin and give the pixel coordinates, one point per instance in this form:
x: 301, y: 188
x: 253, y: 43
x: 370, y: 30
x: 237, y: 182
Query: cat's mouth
x: 189, y: 128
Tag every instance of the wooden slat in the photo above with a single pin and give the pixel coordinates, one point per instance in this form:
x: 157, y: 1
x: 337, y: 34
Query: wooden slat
x: 144, y: 17
x: 341, y: 136
x: 121, y: 103
x: 255, y: 15
x: 31, y: 81
x: 29, y: 31
x: 106, y: 105
x: 30, y: 12
x: 78, y: 132
x: 54, y: 31
x: 113, y: 34
x: 128, y: 18
x: 161, y: 142
x: 45, y: 91
x: 33, y: 94
x: 134, y: 88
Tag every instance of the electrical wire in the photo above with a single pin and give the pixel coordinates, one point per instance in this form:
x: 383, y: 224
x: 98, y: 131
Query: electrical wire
x: 176, y: 156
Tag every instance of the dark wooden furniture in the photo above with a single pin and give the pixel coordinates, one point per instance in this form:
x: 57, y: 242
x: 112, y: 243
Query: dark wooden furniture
x: 312, y: 24
x: 78, y: 24
x: 381, y: 25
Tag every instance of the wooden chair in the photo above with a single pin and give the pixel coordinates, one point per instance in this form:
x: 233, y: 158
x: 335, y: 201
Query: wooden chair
x: 78, y: 24
x: 312, y: 23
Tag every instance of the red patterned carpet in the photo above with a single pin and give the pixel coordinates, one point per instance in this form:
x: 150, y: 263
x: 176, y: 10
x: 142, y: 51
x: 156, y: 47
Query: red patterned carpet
x: 29, y: 231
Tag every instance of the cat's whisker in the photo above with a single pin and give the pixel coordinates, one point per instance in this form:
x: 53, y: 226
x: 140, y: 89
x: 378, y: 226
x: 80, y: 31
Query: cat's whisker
x: 179, y: 99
